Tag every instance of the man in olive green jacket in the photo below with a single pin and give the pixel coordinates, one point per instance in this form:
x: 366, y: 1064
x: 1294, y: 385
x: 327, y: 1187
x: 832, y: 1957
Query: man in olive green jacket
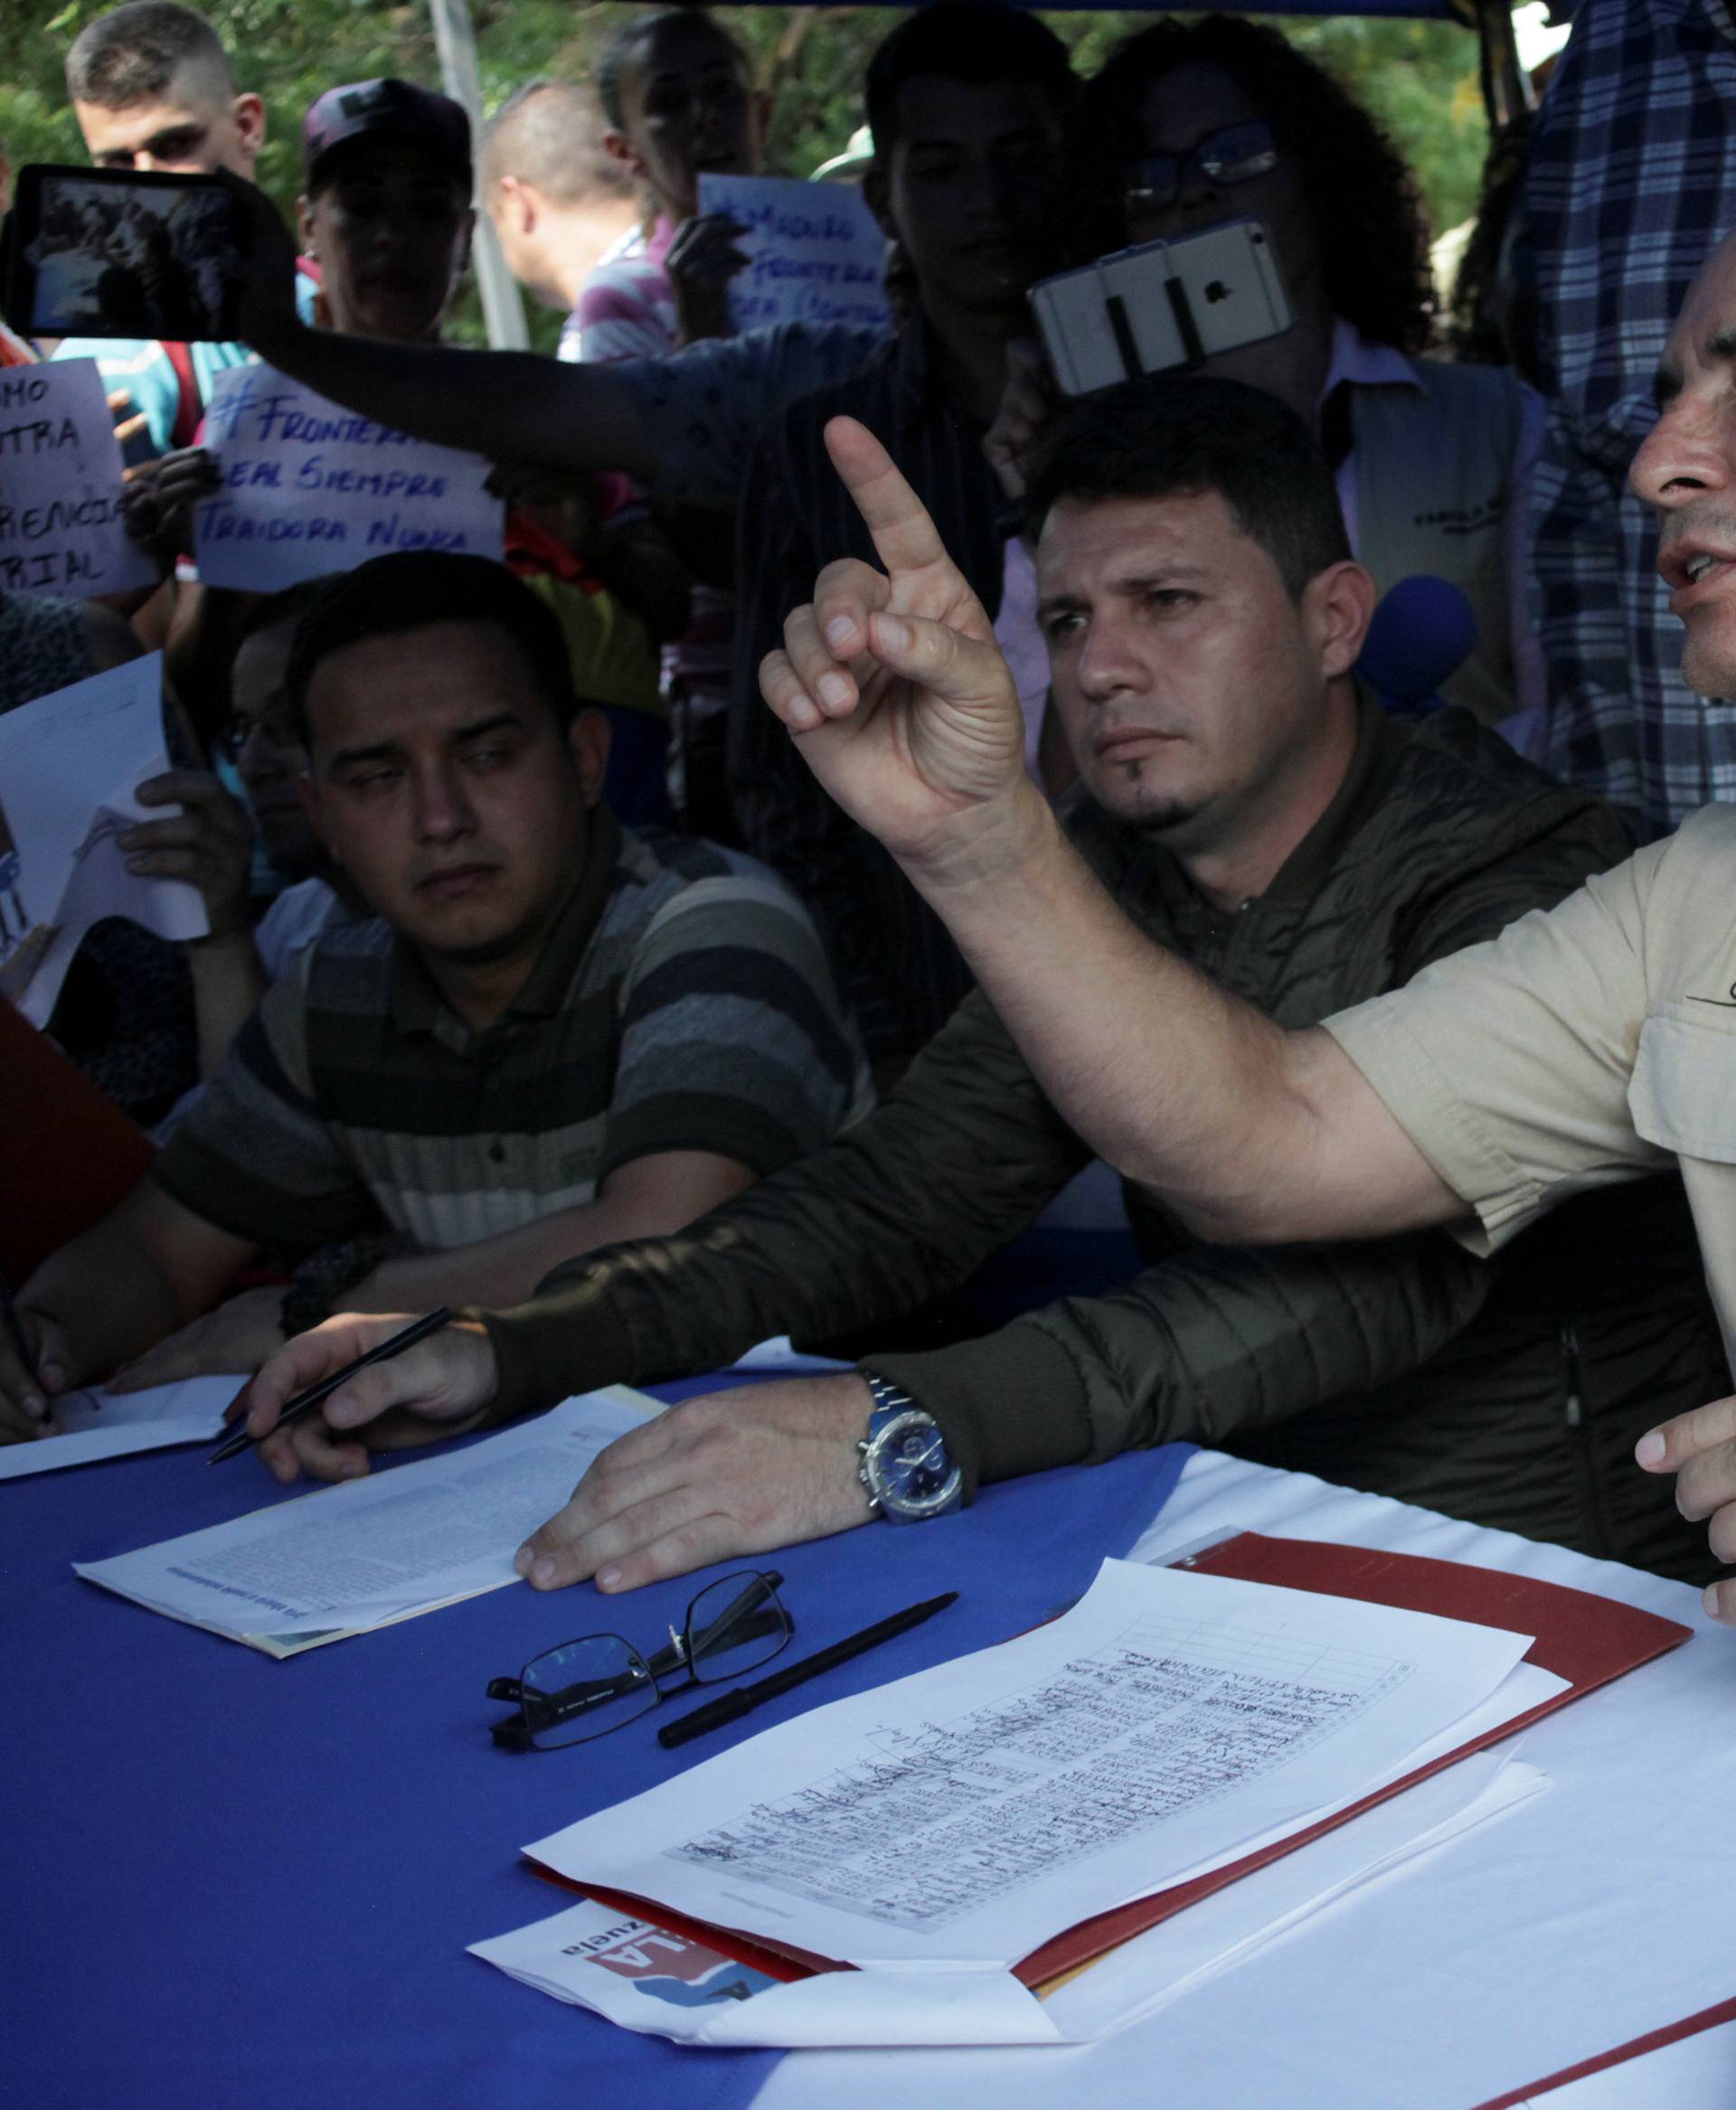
x: 1249, y: 805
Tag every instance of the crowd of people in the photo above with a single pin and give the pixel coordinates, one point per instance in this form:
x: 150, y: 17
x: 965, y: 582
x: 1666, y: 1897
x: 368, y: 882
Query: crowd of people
x: 873, y: 787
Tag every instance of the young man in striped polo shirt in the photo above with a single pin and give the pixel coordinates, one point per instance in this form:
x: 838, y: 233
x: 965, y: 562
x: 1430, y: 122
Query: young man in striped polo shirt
x: 554, y: 1034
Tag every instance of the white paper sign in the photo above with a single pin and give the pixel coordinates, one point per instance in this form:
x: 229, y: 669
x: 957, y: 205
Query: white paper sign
x: 61, y: 529
x: 311, y: 488
x: 815, y: 253
x: 70, y: 764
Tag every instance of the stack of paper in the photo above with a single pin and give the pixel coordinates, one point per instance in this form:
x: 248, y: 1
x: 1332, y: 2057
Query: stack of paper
x: 664, y: 1982
x: 936, y: 1832
x: 368, y: 1552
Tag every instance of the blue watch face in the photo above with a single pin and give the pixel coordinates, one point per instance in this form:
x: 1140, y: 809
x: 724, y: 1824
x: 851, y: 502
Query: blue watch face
x: 920, y: 1465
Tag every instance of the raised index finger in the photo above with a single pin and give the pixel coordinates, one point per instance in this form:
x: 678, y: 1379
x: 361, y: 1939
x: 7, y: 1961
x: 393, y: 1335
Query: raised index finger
x: 905, y: 537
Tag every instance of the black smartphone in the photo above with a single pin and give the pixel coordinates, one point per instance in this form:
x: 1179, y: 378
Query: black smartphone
x: 97, y: 252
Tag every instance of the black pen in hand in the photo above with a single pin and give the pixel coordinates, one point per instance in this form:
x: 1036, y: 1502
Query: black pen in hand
x: 315, y: 1396
x: 732, y: 1705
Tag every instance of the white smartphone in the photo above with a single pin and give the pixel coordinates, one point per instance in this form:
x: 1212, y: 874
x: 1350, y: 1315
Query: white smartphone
x: 1164, y: 304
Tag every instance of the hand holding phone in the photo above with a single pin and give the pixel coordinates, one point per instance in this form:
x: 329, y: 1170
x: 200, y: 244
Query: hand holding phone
x: 1160, y: 306
x: 94, y: 253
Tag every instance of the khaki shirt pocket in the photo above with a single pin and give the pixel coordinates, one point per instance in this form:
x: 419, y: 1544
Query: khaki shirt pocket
x: 1683, y: 1096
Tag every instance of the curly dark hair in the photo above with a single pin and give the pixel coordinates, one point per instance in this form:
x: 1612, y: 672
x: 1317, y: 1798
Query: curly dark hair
x: 1368, y: 212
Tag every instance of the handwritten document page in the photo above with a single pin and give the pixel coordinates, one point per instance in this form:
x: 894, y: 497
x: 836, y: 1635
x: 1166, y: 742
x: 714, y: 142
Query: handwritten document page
x: 100, y: 1423
x: 368, y: 1551
x: 964, y: 1816
x: 649, y: 1979
x: 70, y: 764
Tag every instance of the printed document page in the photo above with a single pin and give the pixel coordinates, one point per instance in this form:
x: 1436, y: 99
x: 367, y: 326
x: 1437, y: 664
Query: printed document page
x: 368, y: 1551
x: 100, y: 1423
x: 964, y: 1816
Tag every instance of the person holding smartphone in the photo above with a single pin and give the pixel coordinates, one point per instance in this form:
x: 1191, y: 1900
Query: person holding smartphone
x: 1190, y: 125
x: 154, y: 92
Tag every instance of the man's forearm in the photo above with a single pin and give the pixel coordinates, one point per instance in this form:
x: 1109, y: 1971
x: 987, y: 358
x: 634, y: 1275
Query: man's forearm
x: 109, y: 1299
x: 229, y: 979
x: 511, y: 406
x: 504, y: 1271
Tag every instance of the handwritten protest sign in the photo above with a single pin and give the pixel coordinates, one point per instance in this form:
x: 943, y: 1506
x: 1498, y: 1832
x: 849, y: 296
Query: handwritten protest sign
x: 815, y: 251
x: 61, y: 529
x: 311, y: 488
x: 70, y: 764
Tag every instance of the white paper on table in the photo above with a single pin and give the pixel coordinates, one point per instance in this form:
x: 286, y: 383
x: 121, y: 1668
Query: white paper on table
x: 781, y: 1357
x: 62, y: 530
x: 362, y: 1554
x: 311, y: 488
x: 70, y: 764
x: 1180, y: 1954
x: 100, y: 1424
x: 650, y: 1980
x: 960, y: 1818
x: 815, y: 253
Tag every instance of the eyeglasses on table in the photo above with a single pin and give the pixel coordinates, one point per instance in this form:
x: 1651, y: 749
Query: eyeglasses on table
x: 585, y: 1688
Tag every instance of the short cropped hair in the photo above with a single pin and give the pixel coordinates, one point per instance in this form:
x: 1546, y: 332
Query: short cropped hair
x: 413, y: 589
x: 131, y: 54
x: 616, y: 55
x: 549, y: 133
x: 977, y: 42
x: 1179, y: 436
x: 1368, y: 214
x: 289, y: 603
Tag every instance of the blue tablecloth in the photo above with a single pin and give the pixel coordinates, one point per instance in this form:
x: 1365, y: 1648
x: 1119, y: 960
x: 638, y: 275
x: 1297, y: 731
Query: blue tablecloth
x: 231, y: 1881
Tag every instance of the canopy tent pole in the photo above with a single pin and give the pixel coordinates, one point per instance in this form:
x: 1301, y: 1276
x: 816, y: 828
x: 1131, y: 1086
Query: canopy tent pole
x: 455, y: 38
x: 1507, y: 96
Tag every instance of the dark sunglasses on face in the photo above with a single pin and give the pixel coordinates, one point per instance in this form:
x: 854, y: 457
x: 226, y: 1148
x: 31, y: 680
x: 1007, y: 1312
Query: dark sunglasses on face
x: 1236, y: 155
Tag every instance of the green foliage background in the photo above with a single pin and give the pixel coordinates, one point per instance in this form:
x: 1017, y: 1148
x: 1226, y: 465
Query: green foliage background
x: 1419, y: 77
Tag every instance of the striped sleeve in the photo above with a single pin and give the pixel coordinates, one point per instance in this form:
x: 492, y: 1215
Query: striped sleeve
x: 253, y: 1155
x: 732, y: 1039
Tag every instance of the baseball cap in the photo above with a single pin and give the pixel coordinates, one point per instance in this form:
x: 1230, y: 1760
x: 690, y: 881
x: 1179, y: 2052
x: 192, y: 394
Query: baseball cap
x: 381, y: 108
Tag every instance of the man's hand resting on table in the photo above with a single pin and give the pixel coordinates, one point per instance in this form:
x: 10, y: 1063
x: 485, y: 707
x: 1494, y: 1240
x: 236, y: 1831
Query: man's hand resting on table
x: 732, y: 1473
x: 1700, y: 1449
x: 438, y: 1388
x: 894, y: 687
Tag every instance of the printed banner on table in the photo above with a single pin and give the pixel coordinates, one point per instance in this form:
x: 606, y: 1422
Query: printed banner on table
x: 60, y: 526
x: 311, y: 488
x: 70, y: 765
x: 815, y: 253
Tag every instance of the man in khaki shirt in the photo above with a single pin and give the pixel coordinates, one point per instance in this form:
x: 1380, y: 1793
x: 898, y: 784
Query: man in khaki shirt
x: 1585, y: 1045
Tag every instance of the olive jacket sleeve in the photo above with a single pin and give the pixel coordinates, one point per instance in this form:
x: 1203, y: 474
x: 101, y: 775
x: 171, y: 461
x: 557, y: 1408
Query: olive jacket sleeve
x: 900, y: 1208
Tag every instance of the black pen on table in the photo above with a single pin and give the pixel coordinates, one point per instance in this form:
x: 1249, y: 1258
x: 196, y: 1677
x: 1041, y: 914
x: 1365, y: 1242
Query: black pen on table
x: 304, y: 1403
x: 732, y: 1705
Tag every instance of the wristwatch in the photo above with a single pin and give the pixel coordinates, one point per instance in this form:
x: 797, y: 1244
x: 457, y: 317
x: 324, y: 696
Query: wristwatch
x: 903, y: 1466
